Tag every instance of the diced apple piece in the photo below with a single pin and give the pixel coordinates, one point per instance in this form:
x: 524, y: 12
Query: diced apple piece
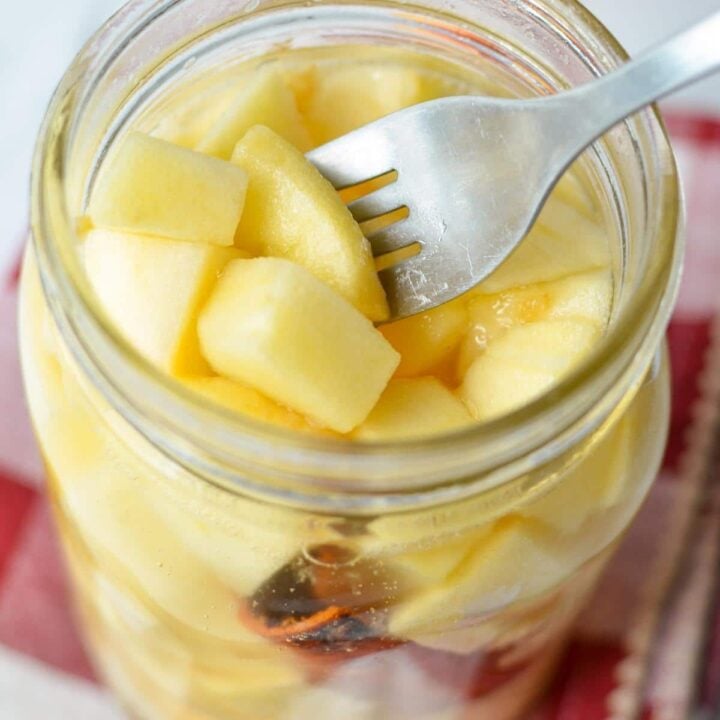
x: 187, y: 117
x: 563, y: 242
x: 434, y: 565
x: 152, y: 290
x: 258, y: 687
x: 153, y: 187
x: 516, y: 561
x: 350, y: 95
x: 272, y: 325
x: 523, y: 363
x: 301, y: 80
x: 427, y: 339
x: 262, y: 686
x: 242, y: 541
x: 264, y: 100
x: 587, y: 297
x: 413, y: 408
x: 553, y: 346
x: 584, y: 297
x: 114, y: 510
x: 292, y: 211
x: 242, y: 544
x: 594, y: 485
x: 248, y: 401
x: 491, y: 316
x: 492, y: 389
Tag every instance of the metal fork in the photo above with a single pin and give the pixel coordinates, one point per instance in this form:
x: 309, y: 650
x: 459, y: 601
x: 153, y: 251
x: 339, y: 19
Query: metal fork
x: 474, y: 172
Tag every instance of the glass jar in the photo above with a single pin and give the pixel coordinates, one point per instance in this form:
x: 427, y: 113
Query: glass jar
x: 227, y: 569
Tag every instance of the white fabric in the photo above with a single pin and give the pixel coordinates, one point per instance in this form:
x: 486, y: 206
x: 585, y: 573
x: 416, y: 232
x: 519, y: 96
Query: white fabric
x: 31, y: 691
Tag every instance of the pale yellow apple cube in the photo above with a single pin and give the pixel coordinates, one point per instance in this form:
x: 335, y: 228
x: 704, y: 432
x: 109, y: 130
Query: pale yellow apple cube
x: 292, y: 211
x: 352, y: 94
x: 245, y: 400
x: 516, y: 561
x: 242, y: 543
x: 492, y: 388
x: 187, y: 116
x: 301, y: 80
x: 119, y: 514
x: 425, y: 340
x: 433, y: 565
x: 273, y: 325
x: 522, y: 364
x: 586, y: 297
x: 264, y: 100
x: 152, y: 290
x: 414, y: 408
x: 563, y: 241
x: 593, y: 485
x: 153, y: 187
x: 491, y: 316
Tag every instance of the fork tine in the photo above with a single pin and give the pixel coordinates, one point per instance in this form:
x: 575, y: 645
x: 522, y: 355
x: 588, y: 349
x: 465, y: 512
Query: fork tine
x: 393, y: 237
x: 377, y: 203
x: 360, y: 155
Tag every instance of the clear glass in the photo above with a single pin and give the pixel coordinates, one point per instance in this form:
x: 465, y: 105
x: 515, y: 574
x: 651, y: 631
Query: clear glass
x: 224, y: 569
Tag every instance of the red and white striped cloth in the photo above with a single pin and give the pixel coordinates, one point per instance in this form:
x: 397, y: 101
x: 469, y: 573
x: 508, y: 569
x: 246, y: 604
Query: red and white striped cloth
x: 648, y: 647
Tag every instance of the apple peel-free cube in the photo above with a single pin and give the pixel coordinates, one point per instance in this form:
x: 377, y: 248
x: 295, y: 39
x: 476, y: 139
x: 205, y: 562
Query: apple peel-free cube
x: 273, y: 325
x: 426, y: 339
x: 352, y: 94
x: 585, y: 297
x: 152, y: 290
x: 414, y: 408
x: 293, y: 212
x: 515, y: 562
x: 264, y: 100
x: 523, y: 363
x: 597, y: 483
x: 153, y: 187
x: 245, y: 400
x: 563, y: 241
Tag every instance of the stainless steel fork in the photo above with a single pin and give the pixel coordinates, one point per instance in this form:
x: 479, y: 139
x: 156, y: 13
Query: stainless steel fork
x: 474, y: 172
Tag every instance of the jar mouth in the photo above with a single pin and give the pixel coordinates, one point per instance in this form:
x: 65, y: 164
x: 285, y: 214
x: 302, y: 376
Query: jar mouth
x: 248, y: 456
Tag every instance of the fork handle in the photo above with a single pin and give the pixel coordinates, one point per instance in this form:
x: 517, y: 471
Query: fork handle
x: 594, y: 108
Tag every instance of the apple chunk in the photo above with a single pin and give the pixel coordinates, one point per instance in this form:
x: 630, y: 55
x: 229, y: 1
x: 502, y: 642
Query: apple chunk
x: 564, y: 241
x: 264, y: 100
x: 523, y: 363
x: 292, y: 211
x: 153, y: 187
x: 349, y: 95
x: 516, y: 561
x: 585, y: 297
x: 595, y: 484
x: 245, y: 400
x: 152, y: 289
x: 271, y: 324
x: 425, y: 340
x: 414, y: 408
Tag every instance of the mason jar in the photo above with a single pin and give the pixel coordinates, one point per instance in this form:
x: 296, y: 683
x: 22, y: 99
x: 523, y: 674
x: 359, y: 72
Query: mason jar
x: 225, y: 569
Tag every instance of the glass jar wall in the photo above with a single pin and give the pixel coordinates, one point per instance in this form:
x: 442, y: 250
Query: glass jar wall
x: 228, y: 570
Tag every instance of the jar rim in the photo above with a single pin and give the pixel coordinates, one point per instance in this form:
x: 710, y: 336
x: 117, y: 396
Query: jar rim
x: 233, y: 451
